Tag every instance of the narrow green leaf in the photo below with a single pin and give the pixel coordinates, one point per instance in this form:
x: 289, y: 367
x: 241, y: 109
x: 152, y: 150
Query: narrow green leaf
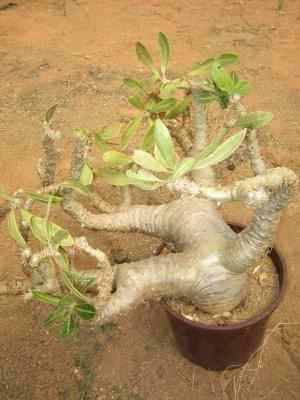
x: 160, y: 158
x: 113, y: 177
x: 213, y: 145
x: 77, y: 186
x: 242, y: 88
x: 116, y: 158
x: 25, y: 215
x: 50, y: 113
x: 222, y: 152
x: 86, y: 176
x: 145, y: 57
x: 148, y: 141
x: 143, y: 175
x: 183, y: 167
x: 254, y: 120
x: 73, y: 290
x: 57, y: 315
x: 45, y: 198
x: 222, y: 79
x: 205, y: 96
x: 45, y: 297
x: 169, y: 89
x: 164, y: 48
x: 164, y: 143
x: 130, y: 131
x: 134, y: 85
x: 14, y: 231
x: 62, y: 260
x: 69, y: 326
x: 59, y: 237
x: 162, y: 106
x: 137, y: 102
x: 147, y: 161
x: 45, y: 231
x: 200, y: 68
x: 85, y: 311
x: 227, y: 59
x: 179, y: 108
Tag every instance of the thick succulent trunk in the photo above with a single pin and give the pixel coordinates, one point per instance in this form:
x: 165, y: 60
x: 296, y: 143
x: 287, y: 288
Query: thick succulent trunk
x: 196, y: 272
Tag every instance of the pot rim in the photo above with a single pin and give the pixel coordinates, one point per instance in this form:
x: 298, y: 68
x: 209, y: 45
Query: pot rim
x: 276, y: 257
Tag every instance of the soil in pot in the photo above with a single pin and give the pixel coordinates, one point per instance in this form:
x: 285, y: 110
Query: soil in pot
x: 263, y: 289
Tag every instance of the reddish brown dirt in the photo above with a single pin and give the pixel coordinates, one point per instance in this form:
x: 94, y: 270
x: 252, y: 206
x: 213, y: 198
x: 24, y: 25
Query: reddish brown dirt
x: 75, y: 53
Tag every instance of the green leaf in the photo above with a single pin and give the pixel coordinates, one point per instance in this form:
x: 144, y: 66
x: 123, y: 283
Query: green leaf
x: 58, y: 314
x: 116, y: 158
x: 85, y: 311
x: 242, y: 88
x: 147, y: 161
x: 204, y: 96
x: 184, y: 166
x: 45, y: 198
x: 45, y: 297
x: 134, y: 85
x: 145, y: 57
x: 130, y: 131
x: 201, y: 68
x: 148, y: 141
x: 179, y: 108
x: 45, y: 232
x: 143, y: 175
x: 164, y: 48
x: 25, y: 215
x: 213, y: 145
x: 169, y: 89
x: 59, y: 237
x: 67, y: 280
x: 50, y: 113
x: 69, y: 326
x: 222, y: 152
x: 14, y: 231
x: 137, y: 102
x: 227, y: 59
x: 222, y: 79
x: 86, y: 175
x: 77, y: 186
x: 162, y: 106
x: 62, y: 260
x: 254, y: 120
x: 164, y: 143
x: 114, y: 177
x: 108, y: 132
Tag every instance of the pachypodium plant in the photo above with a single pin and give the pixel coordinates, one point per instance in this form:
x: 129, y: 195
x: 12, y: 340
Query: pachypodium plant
x: 166, y: 144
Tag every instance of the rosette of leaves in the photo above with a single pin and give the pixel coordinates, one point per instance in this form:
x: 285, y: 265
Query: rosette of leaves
x: 216, y: 83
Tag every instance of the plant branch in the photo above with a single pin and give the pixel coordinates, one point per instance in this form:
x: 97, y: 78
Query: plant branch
x: 47, y: 166
x: 278, y: 186
x: 205, y: 175
x: 257, y: 163
x: 104, y: 273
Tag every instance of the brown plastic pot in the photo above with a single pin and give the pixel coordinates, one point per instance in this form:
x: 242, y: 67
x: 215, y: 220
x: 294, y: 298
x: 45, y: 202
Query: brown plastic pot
x: 221, y: 347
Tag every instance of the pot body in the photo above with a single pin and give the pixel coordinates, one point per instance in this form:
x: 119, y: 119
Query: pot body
x: 221, y: 347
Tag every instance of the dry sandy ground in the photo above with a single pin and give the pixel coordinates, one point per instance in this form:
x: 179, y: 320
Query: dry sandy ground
x: 75, y: 53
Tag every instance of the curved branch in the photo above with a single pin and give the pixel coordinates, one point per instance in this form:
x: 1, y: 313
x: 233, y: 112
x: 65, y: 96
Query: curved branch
x: 279, y: 185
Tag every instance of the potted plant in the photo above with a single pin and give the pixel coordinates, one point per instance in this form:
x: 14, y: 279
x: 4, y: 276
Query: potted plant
x: 166, y: 144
